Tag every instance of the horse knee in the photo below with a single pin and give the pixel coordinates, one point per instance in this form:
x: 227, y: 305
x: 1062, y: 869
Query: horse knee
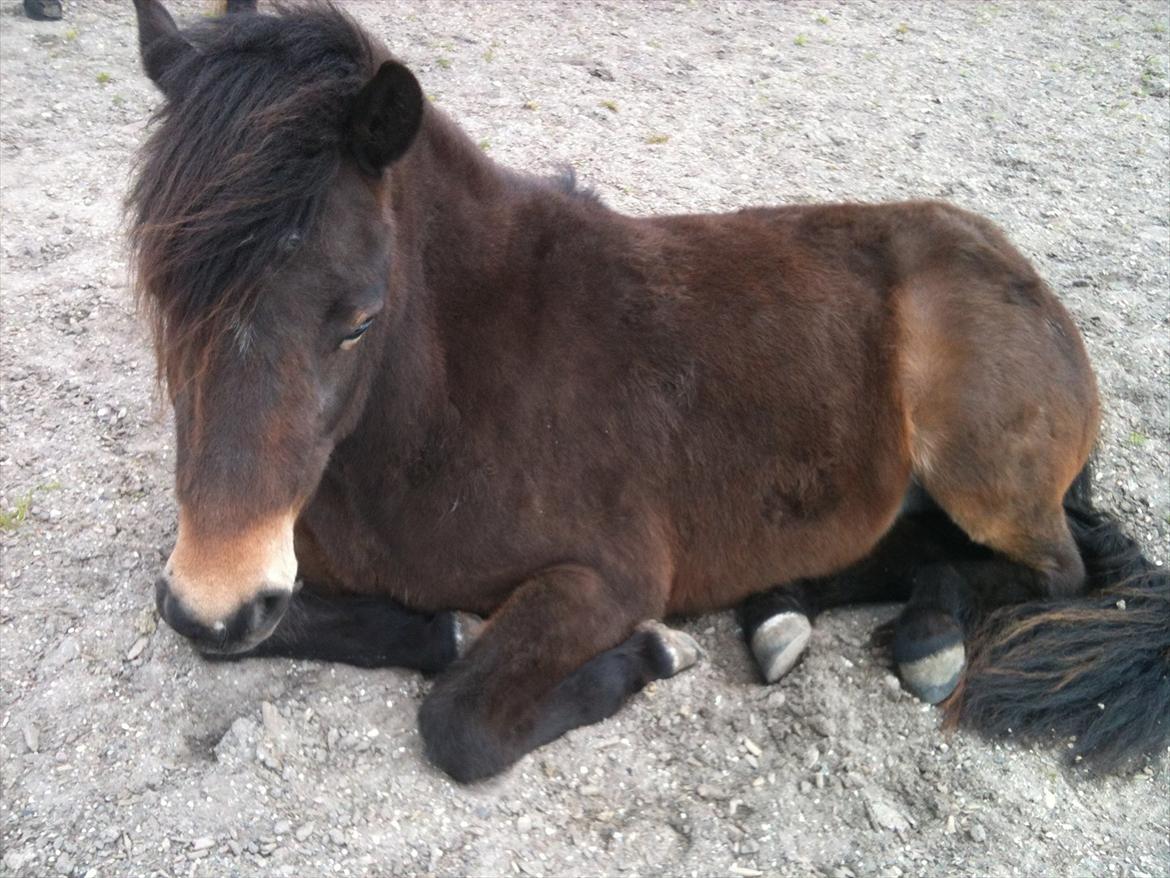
x: 455, y: 737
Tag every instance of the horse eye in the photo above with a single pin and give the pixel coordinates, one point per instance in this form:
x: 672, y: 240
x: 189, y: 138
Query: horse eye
x: 356, y: 333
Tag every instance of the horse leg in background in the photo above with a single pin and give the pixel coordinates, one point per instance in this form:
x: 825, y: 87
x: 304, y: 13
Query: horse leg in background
x: 565, y: 650
x: 928, y: 634
x: 368, y: 632
x: 949, y: 581
x: 948, y: 601
x: 777, y: 623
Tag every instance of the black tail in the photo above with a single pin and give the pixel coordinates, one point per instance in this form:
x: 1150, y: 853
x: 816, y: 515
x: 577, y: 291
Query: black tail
x: 1093, y: 668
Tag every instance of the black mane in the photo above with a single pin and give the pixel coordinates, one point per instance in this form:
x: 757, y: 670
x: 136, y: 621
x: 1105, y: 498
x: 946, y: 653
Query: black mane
x: 243, y: 152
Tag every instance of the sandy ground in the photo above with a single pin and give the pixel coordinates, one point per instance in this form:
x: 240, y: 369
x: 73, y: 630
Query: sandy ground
x: 123, y: 754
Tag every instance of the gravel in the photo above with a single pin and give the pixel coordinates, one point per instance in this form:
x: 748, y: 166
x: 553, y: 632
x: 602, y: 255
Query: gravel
x: 122, y: 753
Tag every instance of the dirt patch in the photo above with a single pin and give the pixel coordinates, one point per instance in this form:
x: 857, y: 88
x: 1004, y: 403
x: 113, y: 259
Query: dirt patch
x: 121, y: 753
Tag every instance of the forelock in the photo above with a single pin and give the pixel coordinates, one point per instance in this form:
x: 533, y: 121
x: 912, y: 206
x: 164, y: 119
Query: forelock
x: 239, y: 162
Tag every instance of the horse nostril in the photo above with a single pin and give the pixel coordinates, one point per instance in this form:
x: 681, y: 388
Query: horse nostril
x: 174, y: 613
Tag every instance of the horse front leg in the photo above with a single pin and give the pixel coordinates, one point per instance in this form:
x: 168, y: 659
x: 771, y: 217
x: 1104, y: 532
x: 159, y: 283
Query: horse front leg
x: 565, y: 650
x: 369, y: 632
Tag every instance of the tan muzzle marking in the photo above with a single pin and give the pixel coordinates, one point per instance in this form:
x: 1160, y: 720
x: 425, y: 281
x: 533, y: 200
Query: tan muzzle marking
x: 215, y: 575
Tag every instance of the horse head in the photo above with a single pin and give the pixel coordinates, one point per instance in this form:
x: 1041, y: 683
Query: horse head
x: 263, y: 232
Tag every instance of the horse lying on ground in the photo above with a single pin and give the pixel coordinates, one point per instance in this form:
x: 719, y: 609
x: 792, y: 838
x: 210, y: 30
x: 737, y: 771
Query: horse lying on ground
x: 411, y: 378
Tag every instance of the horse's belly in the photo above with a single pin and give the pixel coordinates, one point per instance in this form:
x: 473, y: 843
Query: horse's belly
x: 736, y: 556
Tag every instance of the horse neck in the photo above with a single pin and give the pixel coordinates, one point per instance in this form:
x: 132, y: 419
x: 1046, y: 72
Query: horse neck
x: 451, y: 206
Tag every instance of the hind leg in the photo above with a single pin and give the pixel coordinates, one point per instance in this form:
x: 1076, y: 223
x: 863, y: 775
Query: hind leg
x: 1000, y: 472
x: 948, y: 602
x: 777, y: 623
x: 928, y: 634
x: 1000, y: 398
x: 948, y: 580
x: 1031, y: 531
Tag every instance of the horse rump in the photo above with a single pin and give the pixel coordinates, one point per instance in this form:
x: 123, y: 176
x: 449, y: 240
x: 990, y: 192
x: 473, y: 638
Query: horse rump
x: 1093, y: 669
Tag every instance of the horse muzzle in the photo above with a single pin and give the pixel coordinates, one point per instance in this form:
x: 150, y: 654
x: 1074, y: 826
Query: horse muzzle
x: 248, y: 626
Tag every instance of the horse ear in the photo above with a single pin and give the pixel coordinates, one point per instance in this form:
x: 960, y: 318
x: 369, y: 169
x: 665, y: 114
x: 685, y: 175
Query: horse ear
x: 159, y: 42
x: 386, y: 116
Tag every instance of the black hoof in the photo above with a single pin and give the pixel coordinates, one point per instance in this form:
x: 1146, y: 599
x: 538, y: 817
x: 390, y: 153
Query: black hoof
x: 680, y: 650
x: 929, y: 653
x: 779, y: 642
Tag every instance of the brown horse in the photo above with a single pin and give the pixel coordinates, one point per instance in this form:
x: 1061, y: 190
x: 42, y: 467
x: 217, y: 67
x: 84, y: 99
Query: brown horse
x: 409, y: 377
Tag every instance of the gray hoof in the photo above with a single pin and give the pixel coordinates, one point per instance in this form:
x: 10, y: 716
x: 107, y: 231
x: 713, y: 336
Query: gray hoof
x: 682, y: 649
x: 934, y: 677
x: 779, y: 642
x: 467, y: 629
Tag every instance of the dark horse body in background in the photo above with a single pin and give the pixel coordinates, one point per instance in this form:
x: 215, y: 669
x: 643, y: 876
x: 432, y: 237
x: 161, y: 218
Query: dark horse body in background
x: 412, y: 378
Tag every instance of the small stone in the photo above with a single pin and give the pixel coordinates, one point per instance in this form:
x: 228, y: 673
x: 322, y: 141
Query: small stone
x: 823, y: 726
x: 805, y: 787
x: 337, y: 837
x: 147, y: 621
x: 274, y: 723
x: 882, y: 814
x: 978, y: 833
x: 746, y: 871
x: 1049, y: 799
x: 752, y: 747
x: 303, y: 831
x: 269, y: 759
x: 524, y: 823
x: 282, y: 827
x: 66, y: 651
x: 812, y: 756
x: 238, y: 741
x: 852, y: 780
x: 136, y: 648
x: 14, y: 861
x: 32, y: 737
x: 64, y: 864
x: 203, y: 843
